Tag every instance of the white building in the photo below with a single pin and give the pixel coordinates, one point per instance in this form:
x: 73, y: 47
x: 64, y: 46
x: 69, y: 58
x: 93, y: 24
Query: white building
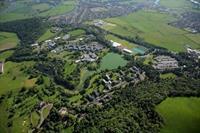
x: 115, y: 44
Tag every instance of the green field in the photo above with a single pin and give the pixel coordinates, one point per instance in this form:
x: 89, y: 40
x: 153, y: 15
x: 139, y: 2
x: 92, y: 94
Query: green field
x: 77, y: 33
x: 112, y: 61
x: 181, y: 115
x: 13, y: 77
x: 153, y: 27
x: 47, y: 35
x: 167, y: 75
x: 8, y: 40
x: 177, y: 4
x: 27, y: 9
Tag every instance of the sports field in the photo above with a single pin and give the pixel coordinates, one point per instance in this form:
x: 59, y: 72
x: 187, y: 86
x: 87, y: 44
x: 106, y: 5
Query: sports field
x: 112, y: 61
x: 153, y: 27
x: 181, y: 115
x: 8, y: 40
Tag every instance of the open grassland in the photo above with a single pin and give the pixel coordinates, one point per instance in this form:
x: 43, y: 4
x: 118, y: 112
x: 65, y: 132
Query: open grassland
x: 181, y: 115
x: 26, y: 9
x: 154, y: 28
x: 112, y: 61
x: 8, y: 40
x: 14, y: 77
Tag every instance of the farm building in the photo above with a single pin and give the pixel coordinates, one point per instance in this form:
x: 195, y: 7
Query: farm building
x: 1, y: 67
x: 165, y: 63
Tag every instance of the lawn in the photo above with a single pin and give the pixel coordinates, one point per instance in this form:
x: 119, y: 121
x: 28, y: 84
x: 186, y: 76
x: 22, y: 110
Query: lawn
x: 8, y: 40
x: 181, y: 115
x: 153, y: 27
x: 112, y: 61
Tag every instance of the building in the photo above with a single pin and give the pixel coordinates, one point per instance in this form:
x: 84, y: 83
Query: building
x: 66, y: 37
x: 127, y: 51
x: 115, y: 44
x: 165, y: 63
x: 1, y: 67
x: 194, y: 53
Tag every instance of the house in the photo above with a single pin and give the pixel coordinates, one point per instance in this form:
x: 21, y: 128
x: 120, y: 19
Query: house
x: 1, y: 67
x: 165, y: 63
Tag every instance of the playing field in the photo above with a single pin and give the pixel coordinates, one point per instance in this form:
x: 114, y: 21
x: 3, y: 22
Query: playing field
x: 112, y: 61
x: 154, y: 28
x: 8, y: 40
x: 181, y: 115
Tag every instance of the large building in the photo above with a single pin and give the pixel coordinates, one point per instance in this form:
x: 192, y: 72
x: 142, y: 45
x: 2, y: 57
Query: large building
x: 194, y: 53
x: 1, y: 67
x: 165, y: 63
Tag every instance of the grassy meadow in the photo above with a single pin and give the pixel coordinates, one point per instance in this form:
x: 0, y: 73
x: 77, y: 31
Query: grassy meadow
x: 8, y: 40
x: 153, y: 27
x: 181, y: 115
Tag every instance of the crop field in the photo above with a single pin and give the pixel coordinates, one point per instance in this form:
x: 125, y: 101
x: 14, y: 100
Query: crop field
x: 112, y: 61
x: 8, y: 40
x: 153, y: 27
x: 181, y: 115
x: 24, y: 9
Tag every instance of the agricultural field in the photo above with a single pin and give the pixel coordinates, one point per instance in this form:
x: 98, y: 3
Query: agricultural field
x: 181, y: 5
x: 23, y: 9
x: 153, y: 27
x: 112, y: 61
x: 181, y: 115
x: 8, y: 40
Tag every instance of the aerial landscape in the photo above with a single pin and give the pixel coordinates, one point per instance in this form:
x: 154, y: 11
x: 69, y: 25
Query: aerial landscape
x: 95, y: 66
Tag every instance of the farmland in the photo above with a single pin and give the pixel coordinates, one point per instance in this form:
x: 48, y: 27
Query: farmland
x: 8, y: 40
x: 23, y: 10
x: 181, y: 115
x: 153, y: 27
